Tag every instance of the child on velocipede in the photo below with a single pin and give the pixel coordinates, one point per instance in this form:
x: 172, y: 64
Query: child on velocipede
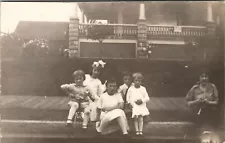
x: 80, y: 97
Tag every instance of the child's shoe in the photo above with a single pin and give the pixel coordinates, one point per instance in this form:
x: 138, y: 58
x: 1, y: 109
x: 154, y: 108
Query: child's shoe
x: 69, y: 123
x: 84, y: 127
x: 137, y: 133
x: 141, y: 134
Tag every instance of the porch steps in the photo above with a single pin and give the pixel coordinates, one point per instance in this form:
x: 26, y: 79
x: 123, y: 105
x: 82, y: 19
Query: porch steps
x: 57, y: 129
x: 56, y: 108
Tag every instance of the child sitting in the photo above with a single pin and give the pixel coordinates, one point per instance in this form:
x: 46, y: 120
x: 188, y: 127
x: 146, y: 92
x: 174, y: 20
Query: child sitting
x: 79, y: 97
x: 110, y: 114
x: 137, y: 97
x: 127, y: 80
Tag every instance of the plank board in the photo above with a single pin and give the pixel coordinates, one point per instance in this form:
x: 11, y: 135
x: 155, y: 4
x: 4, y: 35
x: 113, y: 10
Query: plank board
x: 64, y: 103
x: 151, y: 105
x: 167, y: 104
x: 19, y: 103
x: 179, y: 103
x: 14, y: 102
x: 30, y: 104
x: 37, y: 101
x: 52, y: 102
x: 8, y: 101
x: 159, y: 103
x: 25, y: 104
x: 40, y: 102
x: 58, y: 104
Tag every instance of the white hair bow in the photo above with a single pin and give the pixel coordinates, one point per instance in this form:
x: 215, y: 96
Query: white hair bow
x: 99, y: 63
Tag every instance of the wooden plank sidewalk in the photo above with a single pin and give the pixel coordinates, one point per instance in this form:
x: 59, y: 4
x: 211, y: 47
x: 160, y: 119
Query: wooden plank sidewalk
x: 50, y: 116
x: 60, y: 103
x: 57, y: 129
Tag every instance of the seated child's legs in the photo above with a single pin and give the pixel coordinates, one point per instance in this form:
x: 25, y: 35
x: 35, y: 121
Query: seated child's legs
x: 140, y: 124
x: 122, y: 123
x: 73, y: 108
x: 87, y: 111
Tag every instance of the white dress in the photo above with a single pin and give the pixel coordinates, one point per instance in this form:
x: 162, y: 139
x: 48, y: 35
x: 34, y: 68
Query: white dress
x: 96, y: 88
x: 106, y: 124
x: 135, y: 94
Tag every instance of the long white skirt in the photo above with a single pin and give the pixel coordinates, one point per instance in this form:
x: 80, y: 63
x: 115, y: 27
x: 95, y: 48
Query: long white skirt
x: 107, y: 123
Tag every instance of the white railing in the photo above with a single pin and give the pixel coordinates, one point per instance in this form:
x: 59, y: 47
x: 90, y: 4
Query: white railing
x: 162, y: 30
x: 127, y: 31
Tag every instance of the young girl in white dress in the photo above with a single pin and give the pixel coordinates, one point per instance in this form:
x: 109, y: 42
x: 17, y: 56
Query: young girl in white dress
x: 110, y: 111
x: 95, y: 86
x: 137, y: 97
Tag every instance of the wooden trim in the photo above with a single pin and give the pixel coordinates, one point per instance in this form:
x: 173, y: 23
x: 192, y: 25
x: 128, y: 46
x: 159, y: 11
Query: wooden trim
x: 166, y: 42
x: 109, y: 41
x: 109, y: 24
x: 186, y: 26
x: 133, y: 41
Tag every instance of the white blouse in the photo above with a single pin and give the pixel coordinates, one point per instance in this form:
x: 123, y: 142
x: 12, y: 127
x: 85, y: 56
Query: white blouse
x: 107, y: 100
x: 95, y: 85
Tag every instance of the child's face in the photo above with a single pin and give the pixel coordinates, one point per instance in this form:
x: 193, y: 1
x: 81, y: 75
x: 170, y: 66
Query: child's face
x: 95, y: 72
x: 127, y: 80
x: 112, y: 88
x: 79, y: 80
x: 137, y: 82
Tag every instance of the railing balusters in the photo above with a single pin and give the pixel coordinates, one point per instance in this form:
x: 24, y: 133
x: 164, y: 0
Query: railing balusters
x: 169, y: 31
x: 129, y: 31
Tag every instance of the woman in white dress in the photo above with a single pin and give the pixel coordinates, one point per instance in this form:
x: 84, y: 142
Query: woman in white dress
x: 95, y: 86
x: 137, y: 97
x: 110, y: 111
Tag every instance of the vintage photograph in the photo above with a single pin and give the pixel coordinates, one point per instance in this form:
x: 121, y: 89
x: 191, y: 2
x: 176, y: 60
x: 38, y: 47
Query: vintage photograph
x: 116, y: 71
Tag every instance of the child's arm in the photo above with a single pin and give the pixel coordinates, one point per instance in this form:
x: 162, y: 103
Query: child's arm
x: 100, y: 91
x: 90, y: 95
x: 215, y: 95
x: 99, y: 109
x: 120, y: 90
x: 190, y: 100
x: 129, y: 97
x: 145, y: 96
x: 120, y: 102
x: 66, y: 88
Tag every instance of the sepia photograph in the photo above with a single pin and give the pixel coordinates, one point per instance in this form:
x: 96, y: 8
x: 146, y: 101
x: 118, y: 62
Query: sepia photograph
x: 112, y: 71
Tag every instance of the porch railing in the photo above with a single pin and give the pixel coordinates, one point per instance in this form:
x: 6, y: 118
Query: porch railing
x: 114, y: 31
x: 176, y: 31
x: 129, y: 31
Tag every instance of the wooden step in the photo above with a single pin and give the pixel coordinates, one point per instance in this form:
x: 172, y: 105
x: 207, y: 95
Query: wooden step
x: 60, y: 115
x: 57, y: 129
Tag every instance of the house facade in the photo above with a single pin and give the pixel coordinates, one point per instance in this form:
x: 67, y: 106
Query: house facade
x: 183, y: 31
